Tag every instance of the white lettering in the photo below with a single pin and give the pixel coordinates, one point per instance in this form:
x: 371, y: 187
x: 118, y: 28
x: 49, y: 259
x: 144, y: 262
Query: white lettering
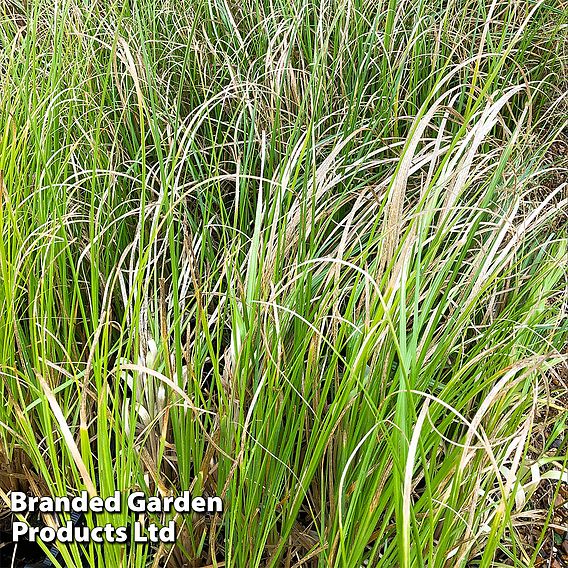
x: 112, y: 504
x: 136, y: 502
x: 138, y: 536
x: 19, y: 529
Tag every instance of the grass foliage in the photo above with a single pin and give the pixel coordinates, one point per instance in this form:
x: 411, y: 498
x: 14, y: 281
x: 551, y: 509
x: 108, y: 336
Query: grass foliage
x: 302, y: 255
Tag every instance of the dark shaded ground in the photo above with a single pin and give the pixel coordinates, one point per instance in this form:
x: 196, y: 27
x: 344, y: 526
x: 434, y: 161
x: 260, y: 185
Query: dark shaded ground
x: 20, y: 555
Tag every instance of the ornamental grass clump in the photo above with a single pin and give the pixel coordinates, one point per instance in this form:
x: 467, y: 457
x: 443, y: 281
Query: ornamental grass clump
x: 307, y: 257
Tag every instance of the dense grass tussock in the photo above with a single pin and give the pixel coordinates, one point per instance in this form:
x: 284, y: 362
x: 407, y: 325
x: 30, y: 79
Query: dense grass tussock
x: 307, y: 256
